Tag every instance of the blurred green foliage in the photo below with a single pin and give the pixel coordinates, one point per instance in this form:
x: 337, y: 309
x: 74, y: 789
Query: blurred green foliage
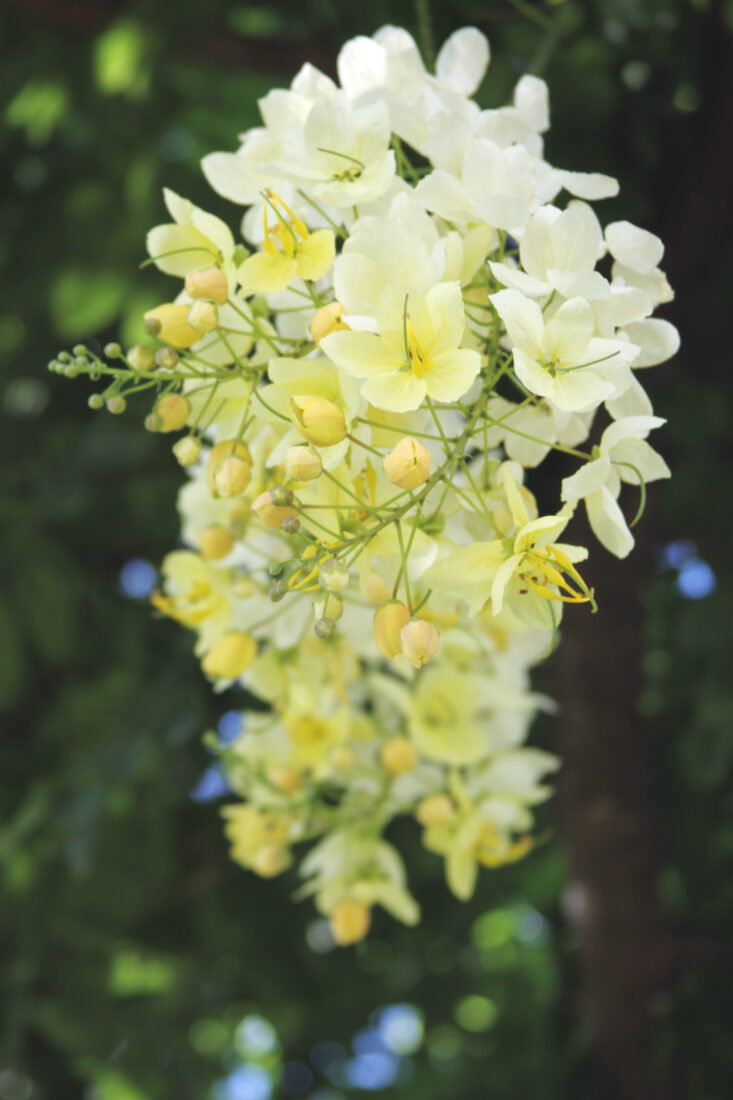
x: 139, y: 964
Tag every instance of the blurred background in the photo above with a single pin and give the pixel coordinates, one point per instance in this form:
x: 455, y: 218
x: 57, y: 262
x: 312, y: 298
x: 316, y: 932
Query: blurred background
x: 138, y: 963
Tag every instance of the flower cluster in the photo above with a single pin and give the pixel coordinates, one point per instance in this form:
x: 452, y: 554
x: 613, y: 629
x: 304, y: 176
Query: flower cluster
x: 416, y: 317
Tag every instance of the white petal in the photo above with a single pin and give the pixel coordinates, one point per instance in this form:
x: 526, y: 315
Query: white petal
x: 463, y: 60
x: 532, y: 100
x: 227, y: 174
x: 586, y: 480
x: 522, y: 318
x: 588, y: 185
x: 608, y: 523
x: 635, y: 247
x: 361, y: 66
x: 629, y: 427
x: 568, y: 334
x: 516, y: 279
x: 659, y: 340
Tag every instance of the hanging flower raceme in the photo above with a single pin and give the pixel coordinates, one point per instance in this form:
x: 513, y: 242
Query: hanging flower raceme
x: 360, y: 390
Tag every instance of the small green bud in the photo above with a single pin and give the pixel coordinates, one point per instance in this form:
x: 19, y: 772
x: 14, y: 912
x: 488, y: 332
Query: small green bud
x: 141, y: 358
x: 290, y: 525
x: 80, y: 361
x: 324, y: 628
x: 278, y: 590
x: 166, y: 358
x: 113, y: 350
x: 52, y: 365
x: 70, y: 370
x: 116, y: 404
x: 80, y: 349
x: 275, y: 569
x: 152, y: 326
x: 95, y: 401
x: 282, y: 496
x: 64, y: 357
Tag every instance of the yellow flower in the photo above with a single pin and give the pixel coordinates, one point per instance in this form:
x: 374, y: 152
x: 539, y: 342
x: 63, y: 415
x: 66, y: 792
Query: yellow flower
x: 230, y: 656
x: 289, y: 251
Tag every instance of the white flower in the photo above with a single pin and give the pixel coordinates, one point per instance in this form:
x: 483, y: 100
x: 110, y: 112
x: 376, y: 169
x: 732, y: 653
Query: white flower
x: 623, y: 455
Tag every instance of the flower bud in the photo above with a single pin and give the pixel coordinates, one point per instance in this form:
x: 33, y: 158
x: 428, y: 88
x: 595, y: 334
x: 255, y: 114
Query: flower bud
x: 271, y: 860
x: 408, y: 465
x: 174, y: 327
x: 187, y: 450
x: 141, y: 358
x: 419, y: 641
x: 349, y: 922
x: 324, y: 629
x: 230, y: 656
x: 290, y: 525
x: 219, y: 452
x: 288, y: 780
x: 271, y: 514
x: 398, y: 755
x: 302, y: 464
x: 232, y: 476
x: 171, y: 412
x: 116, y: 404
x: 167, y: 358
x: 318, y: 420
x: 152, y: 326
x: 203, y: 316
x: 278, y: 591
x: 327, y: 320
x: 333, y: 576
x: 208, y: 283
x: 388, y: 622
x: 215, y: 542
x: 436, y: 809
x: 111, y: 350
x: 95, y: 401
x: 329, y: 603
x: 282, y: 496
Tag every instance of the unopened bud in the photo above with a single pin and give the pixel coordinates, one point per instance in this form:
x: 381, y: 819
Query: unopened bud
x: 328, y: 604
x: 388, y: 622
x: 187, y: 450
x: 302, y: 464
x: 278, y: 591
x: 95, y: 401
x: 167, y: 358
x: 152, y: 326
x: 208, y: 283
x: 282, y: 496
x: 324, y: 629
x: 171, y: 412
x: 419, y: 641
x: 333, y: 576
x: 398, y: 756
x: 285, y: 779
x: 141, y: 358
x: 349, y: 922
x: 232, y: 476
x: 203, y: 316
x: 112, y: 351
x: 326, y: 320
x: 271, y: 860
x: 436, y: 809
x: 290, y: 525
x: 408, y: 464
x: 174, y: 327
x: 116, y: 404
x: 318, y: 420
x: 230, y: 656
x: 219, y: 452
x: 270, y: 513
x: 215, y: 542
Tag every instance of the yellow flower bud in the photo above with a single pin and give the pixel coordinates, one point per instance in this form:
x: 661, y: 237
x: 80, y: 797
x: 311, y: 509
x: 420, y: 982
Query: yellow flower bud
x: 215, y: 542
x: 349, y: 922
x: 419, y: 641
x: 318, y: 420
x: 333, y: 576
x: 436, y: 809
x: 203, y: 315
x: 326, y: 320
x: 230, y: 656
x: 174, y: 327
x: 288, y: 780
x: 302, y: 464
x: 271, y: 514
x: 208, y: 283
x: 171, y: 412
x: 141, y: 358
x: 232, y: 476
x: 408, y: 465
x: 329, y: 605
x: 388, y: 622
x: 187, y: 450
x: 398, y: 755
x: 221, y: 451
x: 271, y: 860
